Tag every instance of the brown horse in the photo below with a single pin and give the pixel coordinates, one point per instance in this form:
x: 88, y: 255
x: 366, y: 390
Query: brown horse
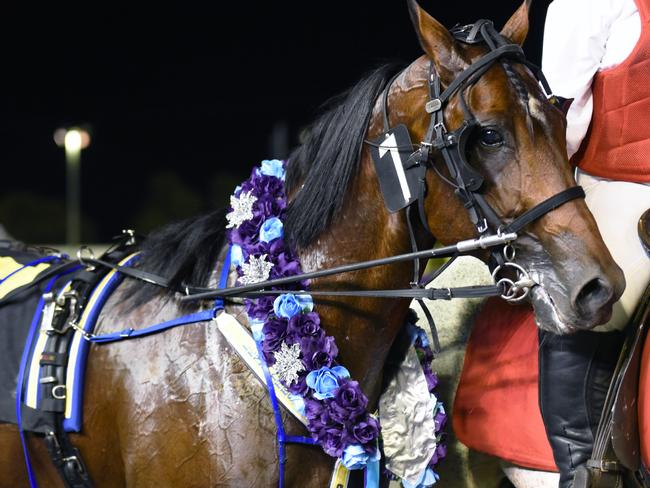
x: 180, y: 408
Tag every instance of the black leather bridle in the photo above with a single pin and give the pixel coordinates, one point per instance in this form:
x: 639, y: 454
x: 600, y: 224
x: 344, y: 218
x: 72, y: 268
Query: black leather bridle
x: 465, y: 179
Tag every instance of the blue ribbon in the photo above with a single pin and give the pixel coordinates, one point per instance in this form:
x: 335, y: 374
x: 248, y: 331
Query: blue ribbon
x: 371, y: 475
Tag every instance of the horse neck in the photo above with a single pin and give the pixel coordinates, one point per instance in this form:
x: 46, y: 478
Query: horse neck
x: 364, y: 328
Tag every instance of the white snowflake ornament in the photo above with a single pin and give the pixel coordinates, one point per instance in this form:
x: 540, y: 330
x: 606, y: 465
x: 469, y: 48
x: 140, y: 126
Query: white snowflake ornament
x: 288, y: 363
x: 257, y: 269
x: 242, y: 209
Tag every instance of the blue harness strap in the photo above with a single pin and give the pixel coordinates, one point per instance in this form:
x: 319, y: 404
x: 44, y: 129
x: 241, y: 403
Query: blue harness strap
x: 202, y: 316
x: 281, y: 435
x: 21, y: 378
x: 131, y: 333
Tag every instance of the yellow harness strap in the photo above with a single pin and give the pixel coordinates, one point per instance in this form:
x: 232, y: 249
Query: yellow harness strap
x: 20, y: 277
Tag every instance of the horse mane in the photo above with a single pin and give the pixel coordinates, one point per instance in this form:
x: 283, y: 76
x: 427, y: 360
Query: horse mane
x: 321, y: 169
x: 186, y: 252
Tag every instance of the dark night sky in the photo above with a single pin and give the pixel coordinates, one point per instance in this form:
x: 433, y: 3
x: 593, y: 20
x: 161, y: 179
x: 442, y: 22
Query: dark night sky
x: 182, y: 89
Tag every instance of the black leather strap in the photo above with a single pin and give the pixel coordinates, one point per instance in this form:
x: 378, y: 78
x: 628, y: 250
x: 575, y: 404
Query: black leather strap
x: 545, y: 207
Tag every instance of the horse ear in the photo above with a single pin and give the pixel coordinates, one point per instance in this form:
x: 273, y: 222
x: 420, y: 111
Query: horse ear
x: 435, y: 39
x: 516, y: 28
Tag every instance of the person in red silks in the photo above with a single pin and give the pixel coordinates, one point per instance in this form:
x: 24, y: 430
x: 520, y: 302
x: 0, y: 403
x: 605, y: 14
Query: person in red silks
x: 597, y: 52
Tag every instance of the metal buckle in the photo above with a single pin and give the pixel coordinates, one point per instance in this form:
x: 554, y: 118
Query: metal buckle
x: 75, y: 463
x: 433, y: 105
x: 56, y: 394
x: 74, y: 325
x: 87, y: 253
x: 482, y: 226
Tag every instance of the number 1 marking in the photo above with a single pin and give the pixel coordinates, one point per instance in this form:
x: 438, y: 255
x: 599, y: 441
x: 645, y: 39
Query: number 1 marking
x: 390, y: 145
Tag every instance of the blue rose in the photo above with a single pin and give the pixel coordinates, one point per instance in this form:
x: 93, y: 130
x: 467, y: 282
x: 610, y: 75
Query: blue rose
x: 325, y: 381
x: 427, y: 478
x: 356, y: 457
x: 273, y: 167
x: 298, y: 403
x: 271, y: 229
x: 286, y: 306
x: 236, y: 255
x: 256, y: 328
x: 306, y: 303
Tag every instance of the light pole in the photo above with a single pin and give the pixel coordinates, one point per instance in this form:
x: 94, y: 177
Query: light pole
x: 73, y: 140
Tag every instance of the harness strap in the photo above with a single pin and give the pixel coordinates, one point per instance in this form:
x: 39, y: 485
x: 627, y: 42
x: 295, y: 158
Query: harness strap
x: 21, y: 378
x: 20, y: 385
x: 44, y: 259
x: 482, y: 242
x: 412, y: 293
x: 544, y: 207
x: 52, y: 271
x: 131, y: 333
x: 513, y: 50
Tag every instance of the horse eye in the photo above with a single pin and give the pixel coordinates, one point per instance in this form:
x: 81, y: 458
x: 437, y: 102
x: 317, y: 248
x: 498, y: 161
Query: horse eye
x: 491, y: 138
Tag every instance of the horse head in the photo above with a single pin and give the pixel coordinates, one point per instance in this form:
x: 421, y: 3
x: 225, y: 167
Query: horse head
x: 518, y: 147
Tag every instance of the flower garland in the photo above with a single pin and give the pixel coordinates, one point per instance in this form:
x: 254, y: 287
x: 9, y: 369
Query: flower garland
x: 294, y: 344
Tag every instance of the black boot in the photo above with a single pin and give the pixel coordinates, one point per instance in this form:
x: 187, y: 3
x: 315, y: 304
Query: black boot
x: 574, y: 375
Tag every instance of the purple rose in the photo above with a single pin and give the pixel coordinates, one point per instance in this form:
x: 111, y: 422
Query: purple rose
x: 260, y: 308
x: 331, y: 438
x: 299, y: 387
x: 305, y: 325
x: 247, y: 233
x: 349, y: 403
x: 275, y: 332
x: 318, y: 351
x: 365, y: 431
x: 285, y: 266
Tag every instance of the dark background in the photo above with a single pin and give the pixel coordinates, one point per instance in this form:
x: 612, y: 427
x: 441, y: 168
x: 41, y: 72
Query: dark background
x: 182, y: 98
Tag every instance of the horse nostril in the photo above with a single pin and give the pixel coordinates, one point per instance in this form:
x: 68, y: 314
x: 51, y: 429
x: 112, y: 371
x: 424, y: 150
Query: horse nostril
x: 592, y: 296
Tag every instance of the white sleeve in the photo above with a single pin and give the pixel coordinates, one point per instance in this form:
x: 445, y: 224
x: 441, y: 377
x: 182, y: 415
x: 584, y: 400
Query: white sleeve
x: 575, y: 35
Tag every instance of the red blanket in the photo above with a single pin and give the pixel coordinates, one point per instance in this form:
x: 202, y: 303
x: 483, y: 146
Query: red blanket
x: 496, y: 410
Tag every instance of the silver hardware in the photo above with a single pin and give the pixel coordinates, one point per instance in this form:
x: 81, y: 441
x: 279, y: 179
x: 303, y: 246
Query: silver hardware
x: 48, y: 297
x: 483, y: 226
x: 131, y: 233
x: 433, y: 105
x: 74, y: 325
x: 440, y: 125
x: 509, y: 252
x: 47, y: 379
x: 485, y: 242
x: 514, y: 291
x: 56, y: 394
x: 84, y: 252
